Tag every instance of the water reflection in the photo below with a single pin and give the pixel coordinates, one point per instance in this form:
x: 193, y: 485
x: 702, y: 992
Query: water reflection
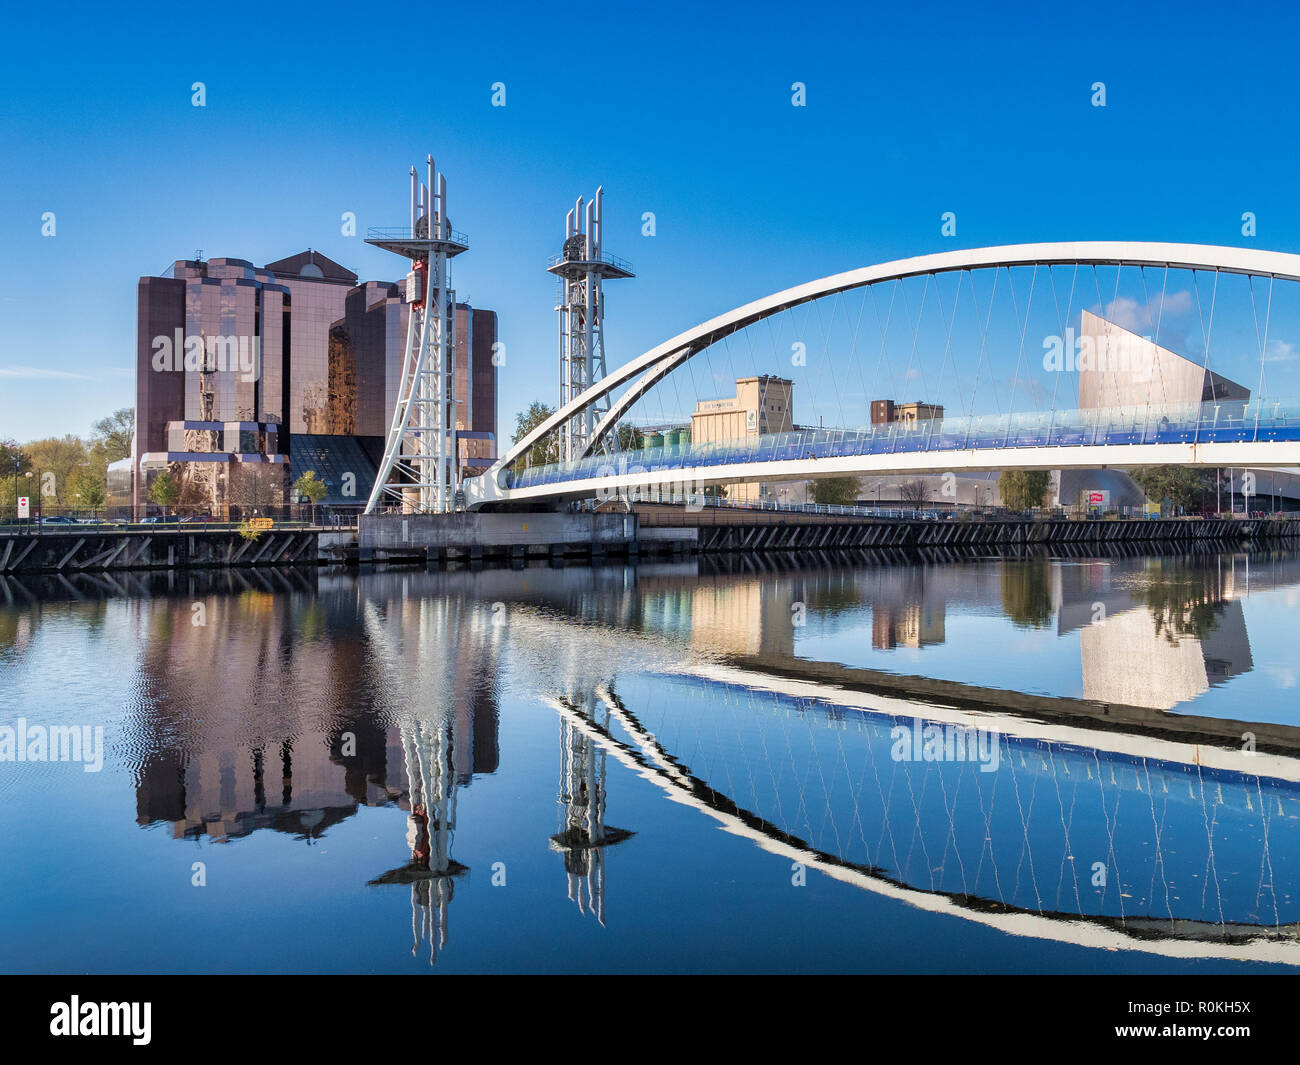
x: 1105, y: 824
x: 435, y: 662
x: 583, y: 834
x: 771, y: 704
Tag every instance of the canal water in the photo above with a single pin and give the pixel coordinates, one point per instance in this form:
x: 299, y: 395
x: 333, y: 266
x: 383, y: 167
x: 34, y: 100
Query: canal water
x: 878, y: 763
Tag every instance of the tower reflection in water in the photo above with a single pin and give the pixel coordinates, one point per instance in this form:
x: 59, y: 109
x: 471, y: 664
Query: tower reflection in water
x: 329, y: 701
x: 1107, y: 822
x: 583, y: 834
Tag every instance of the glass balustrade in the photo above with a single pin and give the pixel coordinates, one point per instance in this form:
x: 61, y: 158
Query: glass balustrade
x: 1221, y: 422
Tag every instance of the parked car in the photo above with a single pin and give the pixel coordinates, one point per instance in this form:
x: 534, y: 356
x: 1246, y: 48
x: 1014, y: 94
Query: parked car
x: 58, y: 519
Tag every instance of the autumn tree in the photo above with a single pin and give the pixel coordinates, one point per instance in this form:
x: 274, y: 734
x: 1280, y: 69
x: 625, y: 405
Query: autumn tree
x: 55, y: 458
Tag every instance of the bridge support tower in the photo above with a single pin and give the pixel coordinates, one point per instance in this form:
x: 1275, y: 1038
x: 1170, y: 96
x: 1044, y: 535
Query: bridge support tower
x: 583, y: 267
x: 420, y: 470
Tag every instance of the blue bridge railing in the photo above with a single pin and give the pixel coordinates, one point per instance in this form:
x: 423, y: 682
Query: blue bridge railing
x: 1218, y: 422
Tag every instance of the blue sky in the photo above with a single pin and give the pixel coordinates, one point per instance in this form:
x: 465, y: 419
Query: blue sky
x: 316, y: 109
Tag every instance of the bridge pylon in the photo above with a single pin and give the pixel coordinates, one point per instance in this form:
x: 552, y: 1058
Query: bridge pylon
x: 583, y: 267
x: 420, y: 470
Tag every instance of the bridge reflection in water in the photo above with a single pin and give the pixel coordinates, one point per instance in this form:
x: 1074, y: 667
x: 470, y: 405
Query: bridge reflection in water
x: 1083, y: 811
x: 1096, y: 823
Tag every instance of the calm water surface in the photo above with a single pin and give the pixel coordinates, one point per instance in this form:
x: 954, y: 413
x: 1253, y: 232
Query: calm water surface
x: 884, y: 764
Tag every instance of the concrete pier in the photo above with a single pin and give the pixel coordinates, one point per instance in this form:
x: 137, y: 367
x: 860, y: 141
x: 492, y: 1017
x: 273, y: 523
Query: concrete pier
x: 514, y: 537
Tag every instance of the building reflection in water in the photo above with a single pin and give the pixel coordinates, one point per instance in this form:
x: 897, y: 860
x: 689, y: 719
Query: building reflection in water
x: 1193, y: 841
x: 1152, y: 632
x: 383, y: 691
x: 1164, y: 631
x: 316, y: 716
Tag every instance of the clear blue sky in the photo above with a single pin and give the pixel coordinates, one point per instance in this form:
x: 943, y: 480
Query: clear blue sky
x: 316, y: 109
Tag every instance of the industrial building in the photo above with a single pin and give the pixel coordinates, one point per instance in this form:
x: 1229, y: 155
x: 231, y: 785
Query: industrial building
x: 761, y: 405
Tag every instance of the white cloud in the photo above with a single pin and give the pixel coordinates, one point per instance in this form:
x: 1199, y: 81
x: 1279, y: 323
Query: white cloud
x: 1139, y: 317
x: 1280, y: 351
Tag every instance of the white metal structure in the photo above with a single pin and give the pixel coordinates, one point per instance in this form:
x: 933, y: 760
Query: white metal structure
x: 643, y: 372
x: 421, y: 450
x: 582, y: 267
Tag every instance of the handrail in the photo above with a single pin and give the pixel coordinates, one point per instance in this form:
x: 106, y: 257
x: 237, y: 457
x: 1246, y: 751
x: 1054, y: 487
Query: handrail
x: 1147, y: 424
x: 455, y: 236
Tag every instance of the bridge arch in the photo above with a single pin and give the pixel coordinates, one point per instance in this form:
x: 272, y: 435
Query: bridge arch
x: 647, y: 369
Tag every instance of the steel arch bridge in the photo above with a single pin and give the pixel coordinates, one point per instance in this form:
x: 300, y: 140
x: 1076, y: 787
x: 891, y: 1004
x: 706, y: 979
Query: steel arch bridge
x: 1242, y: 434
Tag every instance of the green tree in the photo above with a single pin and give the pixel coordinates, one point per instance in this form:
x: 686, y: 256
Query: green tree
x: 630, y: 438
x: 111, y: 437
x: 89, y: 489
x: 546, y: 450
x: 1181, y: 486
x: 1024, y: 489
x: 165, y: 490
x: 59, y: 456
x: 311, y: 487
x: 12, y: 460
x: 836, y: 491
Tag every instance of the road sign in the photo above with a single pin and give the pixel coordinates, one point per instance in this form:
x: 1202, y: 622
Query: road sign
x: 261, y: 524
x: 24, y: 507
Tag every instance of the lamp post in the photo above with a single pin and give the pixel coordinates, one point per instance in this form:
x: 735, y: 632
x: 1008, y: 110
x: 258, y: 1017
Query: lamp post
x: 18, y: 461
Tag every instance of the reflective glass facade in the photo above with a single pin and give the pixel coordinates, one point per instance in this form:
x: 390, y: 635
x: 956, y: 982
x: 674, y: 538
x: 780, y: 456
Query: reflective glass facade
x: 297, y: 344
